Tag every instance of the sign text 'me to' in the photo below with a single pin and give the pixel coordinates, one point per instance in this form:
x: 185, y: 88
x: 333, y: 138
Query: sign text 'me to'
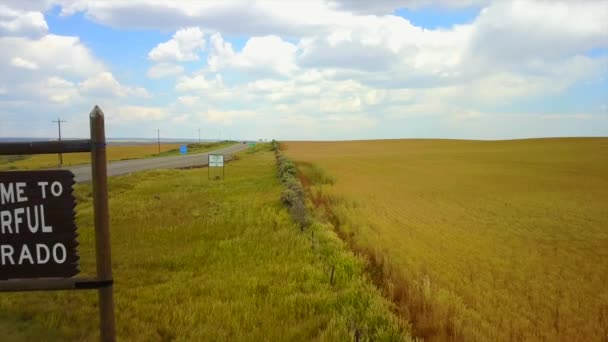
x: 37, y: 226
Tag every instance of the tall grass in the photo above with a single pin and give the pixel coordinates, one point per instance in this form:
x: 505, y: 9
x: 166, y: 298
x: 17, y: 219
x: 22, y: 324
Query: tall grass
x: 205, y: 260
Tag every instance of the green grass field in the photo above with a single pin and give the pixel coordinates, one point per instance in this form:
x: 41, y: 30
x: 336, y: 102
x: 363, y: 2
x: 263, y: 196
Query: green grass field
x: 475, y: 240
x: 114, y: 152
x: 199, y: 260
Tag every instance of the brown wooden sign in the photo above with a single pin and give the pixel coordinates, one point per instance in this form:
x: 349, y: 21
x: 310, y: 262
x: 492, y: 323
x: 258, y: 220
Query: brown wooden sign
x: 37, y: 225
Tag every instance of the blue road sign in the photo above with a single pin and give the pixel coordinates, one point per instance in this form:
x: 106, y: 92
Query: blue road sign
x: 183, y: 149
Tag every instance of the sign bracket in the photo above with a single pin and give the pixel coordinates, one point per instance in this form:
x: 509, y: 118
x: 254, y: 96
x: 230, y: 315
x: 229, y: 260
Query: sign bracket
x: 53, y: 284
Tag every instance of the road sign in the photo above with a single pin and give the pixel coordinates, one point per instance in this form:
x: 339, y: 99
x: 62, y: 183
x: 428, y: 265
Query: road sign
x: 216, y: 160
x: 37, y: 227
x: 183, y: 149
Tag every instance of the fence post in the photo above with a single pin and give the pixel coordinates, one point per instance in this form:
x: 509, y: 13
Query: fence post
x: 102, y: 229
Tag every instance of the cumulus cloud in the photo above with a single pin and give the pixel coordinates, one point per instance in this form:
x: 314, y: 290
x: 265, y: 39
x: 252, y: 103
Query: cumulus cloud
x: 389, y: 6
x: 261, y: 56
x: 52, y: 74
x: 23, y: 63
x: 363, y: 38
x: 162, y: 70
x: 188, y: 100
x: 513, y: 32
x: 268, y: 53
x: 220, y: 52
x: 382, y: 44
x: 21, y: 22
x: 136, y: 113
x: 52, y: 54
x: 104, y: 84
x: 255, y: 18
x: 184, y: 46
x: 198, y: 83
x: 58, y: 90
x: 30, y: 5
x: 226, y: 117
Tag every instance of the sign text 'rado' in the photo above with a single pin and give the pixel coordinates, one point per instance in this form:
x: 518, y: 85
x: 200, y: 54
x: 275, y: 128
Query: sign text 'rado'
x: 37, y: 227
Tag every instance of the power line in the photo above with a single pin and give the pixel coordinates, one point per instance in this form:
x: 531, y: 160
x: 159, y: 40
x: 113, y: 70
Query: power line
x: 59, y: 121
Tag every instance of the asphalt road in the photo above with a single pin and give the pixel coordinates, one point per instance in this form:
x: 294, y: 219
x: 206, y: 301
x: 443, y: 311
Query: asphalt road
x: 82, y: 173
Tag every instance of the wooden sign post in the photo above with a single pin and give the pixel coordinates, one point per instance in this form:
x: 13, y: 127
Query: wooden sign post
x: 38, y: 247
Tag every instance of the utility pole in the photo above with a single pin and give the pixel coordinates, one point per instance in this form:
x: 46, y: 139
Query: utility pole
x: 158, y: 139
x: 199, y: 135
x: 59, y: 121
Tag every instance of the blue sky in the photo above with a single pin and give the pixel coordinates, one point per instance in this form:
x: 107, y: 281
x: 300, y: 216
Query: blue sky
x: 315, y: 70
x: 434, y: 17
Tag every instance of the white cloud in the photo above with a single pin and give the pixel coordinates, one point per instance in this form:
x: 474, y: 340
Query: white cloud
x: 30, y: 5
x: 135, y: 113
x: 389, y: 6
x: 266, y: 54
x: 179, y: 119
x: 59, y: 90
x: 104, y: 84
x: 528, y: 40
x: 184, y: 46
x: 514, y: 32
x: 389, y: 51
x: 198, y: 83
x: 23, y: 63
x: 220, y: 52
x: 385, y: 50
x: 55, y: 74
x: 260, y: 57
x: 352, y: 122
x: 576, y: 116
x: 254, y: 18
x: 21, y: 22
x: 54, y: 55
x: 188, y: 100
x: 162, y: 70
x: 226, y: 117
x: 50, y: 85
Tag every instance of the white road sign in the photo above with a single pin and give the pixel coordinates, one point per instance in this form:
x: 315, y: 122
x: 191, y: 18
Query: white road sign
x: 216, y: 160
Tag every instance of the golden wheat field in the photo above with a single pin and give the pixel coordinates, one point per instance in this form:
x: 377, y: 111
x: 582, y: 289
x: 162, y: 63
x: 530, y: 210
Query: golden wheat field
x: 476, y: 240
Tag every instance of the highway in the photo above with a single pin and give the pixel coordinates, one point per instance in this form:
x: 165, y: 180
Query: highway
x: 82, y: 173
